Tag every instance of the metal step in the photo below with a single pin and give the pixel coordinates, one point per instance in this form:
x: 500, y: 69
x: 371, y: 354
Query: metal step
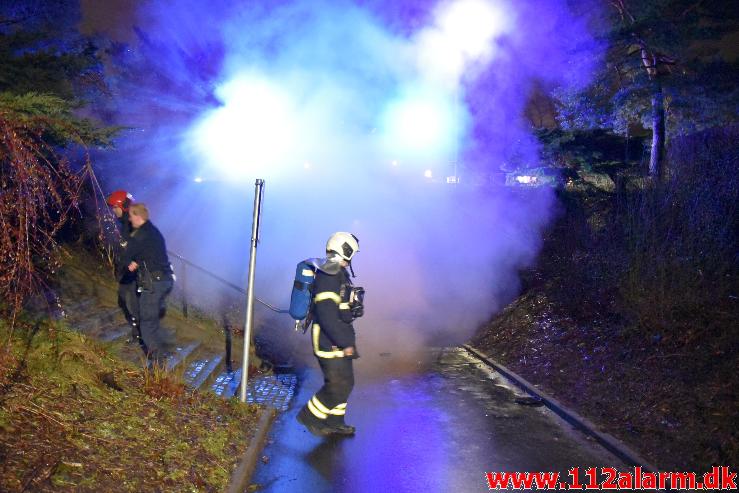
x: 180, y: 354
x: 114, y: 333
x: 266, y: 390
x: 200, y: 369
x: 133, y: 353
x: 97, y: 320
x: 107, y: 324
x: 91, y: 313
x: 227, y: 384
x: 272, y: 390
x: 72, y: 308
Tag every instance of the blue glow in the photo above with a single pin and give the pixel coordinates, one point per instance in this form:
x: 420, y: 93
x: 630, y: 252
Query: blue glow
x: 251, y: 134
x: 342, y: 106
x: 422, y: 124
x: 462, y: 35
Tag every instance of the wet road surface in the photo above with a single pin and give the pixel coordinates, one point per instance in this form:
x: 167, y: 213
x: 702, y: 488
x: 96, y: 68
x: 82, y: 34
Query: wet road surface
x: 435, y: 428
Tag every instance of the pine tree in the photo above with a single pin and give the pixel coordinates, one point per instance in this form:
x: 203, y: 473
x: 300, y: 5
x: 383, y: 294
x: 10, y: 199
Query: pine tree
x: 45, y: 68
x: 661, y: 71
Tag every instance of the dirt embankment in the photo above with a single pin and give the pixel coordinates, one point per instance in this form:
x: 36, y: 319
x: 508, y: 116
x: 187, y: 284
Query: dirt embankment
x: 677, y: 406
x: 631, y: 318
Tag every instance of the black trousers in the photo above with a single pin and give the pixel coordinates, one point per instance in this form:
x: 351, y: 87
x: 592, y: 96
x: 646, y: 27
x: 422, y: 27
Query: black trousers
x: 128, y: 300
x: 156, y: 340
x: 328, y: 405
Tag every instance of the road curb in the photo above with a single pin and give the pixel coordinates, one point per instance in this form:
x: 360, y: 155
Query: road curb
x: 607, y: 441
x: 248, y: 462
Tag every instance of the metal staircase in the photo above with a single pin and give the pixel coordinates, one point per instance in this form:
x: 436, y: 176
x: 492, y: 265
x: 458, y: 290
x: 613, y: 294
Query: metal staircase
x: 204, y: 366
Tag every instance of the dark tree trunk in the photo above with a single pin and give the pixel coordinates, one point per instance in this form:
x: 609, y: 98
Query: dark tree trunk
x: 657, y: 156
x: 626, y: 148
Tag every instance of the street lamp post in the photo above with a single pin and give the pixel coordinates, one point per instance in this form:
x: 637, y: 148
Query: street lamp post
x: 458, y: 112
x: 258, y: 195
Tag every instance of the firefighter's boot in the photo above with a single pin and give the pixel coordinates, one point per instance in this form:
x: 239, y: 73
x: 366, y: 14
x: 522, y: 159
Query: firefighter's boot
x: 343, y: 429
x: 312, y: 424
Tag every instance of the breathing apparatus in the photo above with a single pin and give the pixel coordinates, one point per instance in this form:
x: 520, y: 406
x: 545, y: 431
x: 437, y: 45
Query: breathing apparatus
x: 340, y: 247
x: 356, y: 301
x: 346, y: 245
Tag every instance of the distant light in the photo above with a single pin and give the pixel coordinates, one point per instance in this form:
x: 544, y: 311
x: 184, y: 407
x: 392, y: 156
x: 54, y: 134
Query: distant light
x: 198, y: 179
x: 428, y: 173
x: 247, y: 134
x: 421, y: 124
x: 452, y: 179
x: 464, y: 33
x: 526, y: 179
x: 307, y: 165
x: 470, y: 25
x: 394, y: 162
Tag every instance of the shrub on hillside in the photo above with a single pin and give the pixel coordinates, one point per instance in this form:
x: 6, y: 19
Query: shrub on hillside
x: 680, y: 239
x: 664, y: 256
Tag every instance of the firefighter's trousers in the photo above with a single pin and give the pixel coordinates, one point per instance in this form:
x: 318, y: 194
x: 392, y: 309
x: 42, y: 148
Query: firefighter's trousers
x: 128, y: 300
x: 328, y: 405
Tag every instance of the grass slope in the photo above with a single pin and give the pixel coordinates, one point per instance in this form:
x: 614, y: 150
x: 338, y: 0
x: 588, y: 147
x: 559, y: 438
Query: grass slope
x: 74, y: 417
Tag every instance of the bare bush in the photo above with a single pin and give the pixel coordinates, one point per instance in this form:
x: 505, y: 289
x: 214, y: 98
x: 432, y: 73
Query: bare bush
x: 40, y: 189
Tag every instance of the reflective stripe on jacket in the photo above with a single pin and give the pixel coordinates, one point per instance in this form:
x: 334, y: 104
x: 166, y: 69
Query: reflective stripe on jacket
x: 331, y: 312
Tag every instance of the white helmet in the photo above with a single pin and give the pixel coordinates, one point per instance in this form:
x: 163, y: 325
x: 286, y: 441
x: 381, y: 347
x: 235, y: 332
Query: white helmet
x: 343, y: 244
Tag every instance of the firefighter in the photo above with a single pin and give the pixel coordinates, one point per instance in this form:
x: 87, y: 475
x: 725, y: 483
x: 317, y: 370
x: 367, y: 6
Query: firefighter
x: 146, y: 257
x: 335, y: 305
x: 119, y: 201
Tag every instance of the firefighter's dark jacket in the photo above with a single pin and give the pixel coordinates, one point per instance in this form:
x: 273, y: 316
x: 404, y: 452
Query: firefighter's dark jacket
x: 126, y: 228
x: 146, y: 247
x: 333, y: 317
x: 124, y: 276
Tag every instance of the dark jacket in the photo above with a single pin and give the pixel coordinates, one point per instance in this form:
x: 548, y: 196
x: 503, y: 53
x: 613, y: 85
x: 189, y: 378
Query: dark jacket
x: 146, y: 247
x: 126, y: 227
x: 124, y: 276
x: 333, y: 317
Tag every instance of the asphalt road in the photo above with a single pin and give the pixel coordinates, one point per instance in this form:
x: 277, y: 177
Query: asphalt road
x: 433, y: 423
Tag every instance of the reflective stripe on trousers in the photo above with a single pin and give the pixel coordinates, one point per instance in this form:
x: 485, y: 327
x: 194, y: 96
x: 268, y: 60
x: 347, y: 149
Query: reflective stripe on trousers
x: 317, y: 409
x: 329, y: 403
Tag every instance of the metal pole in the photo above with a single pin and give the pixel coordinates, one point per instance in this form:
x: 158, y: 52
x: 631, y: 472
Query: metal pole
x: 458, y: 111
x: 184, y: 289
x: 258, y: 193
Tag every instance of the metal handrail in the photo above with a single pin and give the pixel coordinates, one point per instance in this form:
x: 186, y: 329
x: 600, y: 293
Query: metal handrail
x: 224, y: 281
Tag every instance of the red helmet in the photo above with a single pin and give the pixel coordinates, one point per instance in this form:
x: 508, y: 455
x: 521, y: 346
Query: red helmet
x: 120, y: 198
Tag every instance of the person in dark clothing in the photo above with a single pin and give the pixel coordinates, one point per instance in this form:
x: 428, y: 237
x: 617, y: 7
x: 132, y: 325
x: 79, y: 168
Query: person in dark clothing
x: 119, y: 201
x: 146, y: 256
x: 333, y: 338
